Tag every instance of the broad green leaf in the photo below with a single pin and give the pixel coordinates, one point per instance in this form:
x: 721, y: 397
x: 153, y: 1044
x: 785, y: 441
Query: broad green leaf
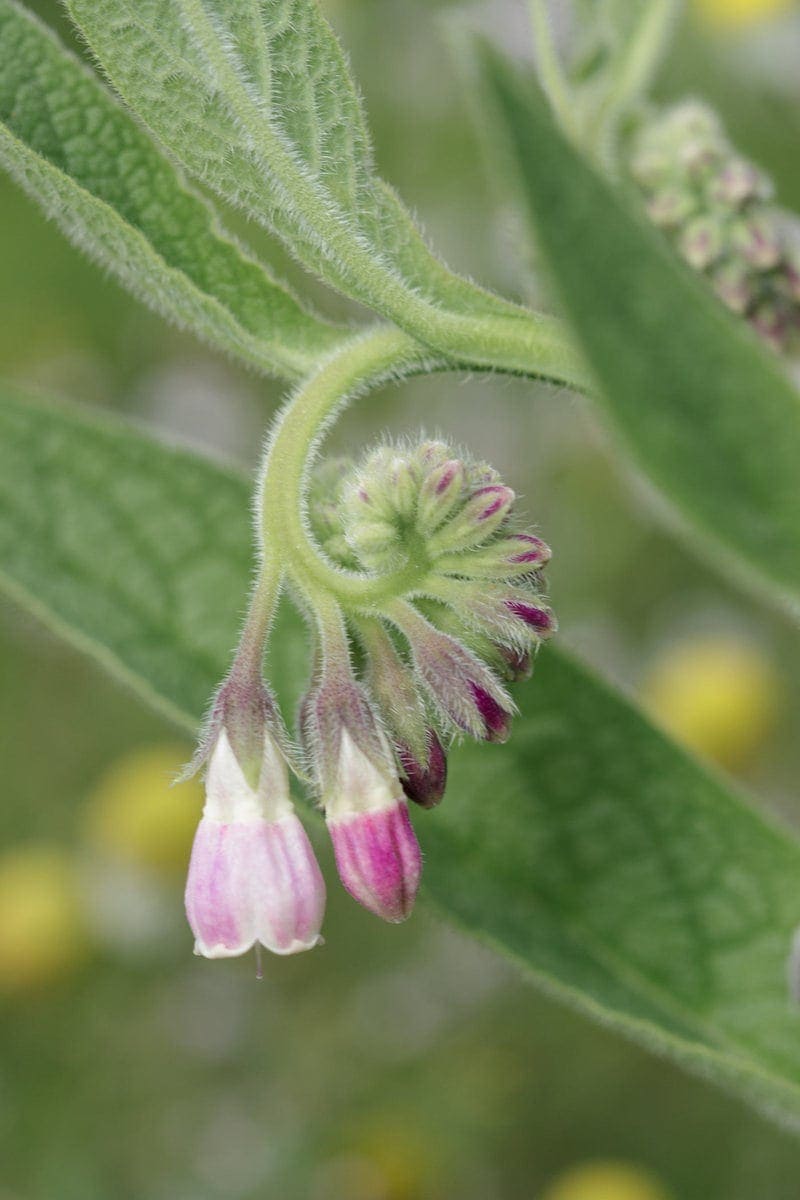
x: 254, y: 98
x: 708, y: 414
x: 602, y: 859
x: 92, y: 168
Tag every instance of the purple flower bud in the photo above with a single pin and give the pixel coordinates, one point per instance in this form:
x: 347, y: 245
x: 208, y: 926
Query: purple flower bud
x: 532, y: 552
x: 517, y: 665
x: 536, y: 616
x: 424, y: 783
x: 462, y: 687
x: 378, y: 859
x: 253, y: 876
x: 496, y: 719
x: 480, y: 518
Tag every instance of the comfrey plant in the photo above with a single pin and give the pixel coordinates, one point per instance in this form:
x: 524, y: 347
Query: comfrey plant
x: 398, y: 601
x: 422, y: 567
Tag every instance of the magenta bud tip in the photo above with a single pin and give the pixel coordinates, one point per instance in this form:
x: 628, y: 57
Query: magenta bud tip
x: 532, y: 550
x: 540, y: 619
x: 424, y: 785
x: 447, y: 474
x: 379, y: 860
x: 496, y: 720
x: 497, y: 498
x: 517, y: 664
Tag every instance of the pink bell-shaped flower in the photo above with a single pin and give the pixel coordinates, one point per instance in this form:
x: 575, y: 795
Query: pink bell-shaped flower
x: 253, y: 877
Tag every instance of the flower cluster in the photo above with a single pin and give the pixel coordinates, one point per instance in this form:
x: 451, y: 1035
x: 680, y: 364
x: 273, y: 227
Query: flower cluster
x: 397, y: 678
x: 717, y: 209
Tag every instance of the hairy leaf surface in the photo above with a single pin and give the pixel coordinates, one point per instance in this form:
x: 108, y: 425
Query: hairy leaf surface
x: 95, y: 171
x: 254, y: 98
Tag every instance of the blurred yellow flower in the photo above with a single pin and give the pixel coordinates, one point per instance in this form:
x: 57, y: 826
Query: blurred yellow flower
x: 136, y: 815
x: 716, y: 694
x: 735, y: 13
x: 605, y: 1181
x: 42, y: 930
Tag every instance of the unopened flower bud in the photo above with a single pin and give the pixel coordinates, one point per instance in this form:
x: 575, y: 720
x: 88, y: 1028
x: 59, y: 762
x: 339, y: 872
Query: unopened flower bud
x: 403, y: 485
x: 668, y: 209
x: 701, y: 242
x: 439, y: 495
x: 738, y: 182
x: 512, y: 557
x: 514, y: 616
x: 253, y: 877
x: 377, y: 854
x: 481, y: 516
x: 517, y: 665
x: 424, y: 781
x: 733, y: 285
x: 536, y: 616
x: 464, y: 690
x: 756, y: 240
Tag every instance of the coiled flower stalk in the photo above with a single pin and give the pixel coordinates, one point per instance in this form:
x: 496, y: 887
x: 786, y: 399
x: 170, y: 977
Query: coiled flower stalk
x: 718, y: 211
x: 433, y: 659
x: 448, y: 610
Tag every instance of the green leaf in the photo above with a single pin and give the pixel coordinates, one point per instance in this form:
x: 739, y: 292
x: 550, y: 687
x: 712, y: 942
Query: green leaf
x: 602, y: 859
x: 707, y: 412
x: 255, y: 99
x: 99, y: 176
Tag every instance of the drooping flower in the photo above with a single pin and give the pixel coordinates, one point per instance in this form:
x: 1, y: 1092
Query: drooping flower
x: 253, y: 877
x: 377, y: 854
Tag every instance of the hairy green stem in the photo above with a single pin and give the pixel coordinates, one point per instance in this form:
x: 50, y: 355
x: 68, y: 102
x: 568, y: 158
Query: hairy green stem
x: 247, y: 663
x: 368, y: 360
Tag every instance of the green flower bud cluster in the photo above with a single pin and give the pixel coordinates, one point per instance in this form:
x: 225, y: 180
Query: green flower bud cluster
x: 468, y: 611
x: 422, y: 503
x: 718, y: 211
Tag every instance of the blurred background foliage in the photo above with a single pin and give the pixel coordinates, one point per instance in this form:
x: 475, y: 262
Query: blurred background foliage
x: 395, y: 1064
